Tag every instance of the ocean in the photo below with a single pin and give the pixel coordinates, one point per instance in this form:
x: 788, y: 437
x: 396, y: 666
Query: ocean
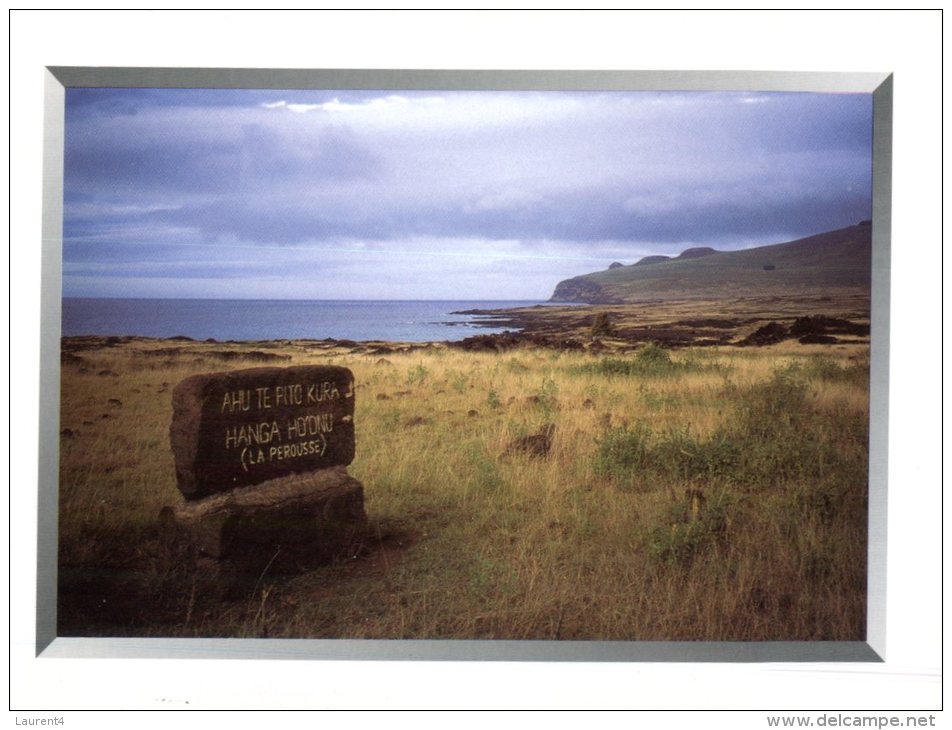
x: 247, y: 319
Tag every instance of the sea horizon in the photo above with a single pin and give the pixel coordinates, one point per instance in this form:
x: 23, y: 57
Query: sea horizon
x: 299, y: 299
x: 398, y: 320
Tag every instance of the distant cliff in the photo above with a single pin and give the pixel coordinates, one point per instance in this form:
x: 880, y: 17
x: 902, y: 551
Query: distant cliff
x: 582, y: 289
x: 837, y: 260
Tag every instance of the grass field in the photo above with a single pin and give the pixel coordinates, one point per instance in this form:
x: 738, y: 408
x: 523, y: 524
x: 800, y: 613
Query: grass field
x: 710, y: 493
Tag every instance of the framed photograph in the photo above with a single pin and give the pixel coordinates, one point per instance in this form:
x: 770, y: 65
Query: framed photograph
x: 564, y: 365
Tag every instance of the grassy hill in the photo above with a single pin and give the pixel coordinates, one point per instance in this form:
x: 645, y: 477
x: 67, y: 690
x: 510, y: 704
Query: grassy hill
x: 834, y: 262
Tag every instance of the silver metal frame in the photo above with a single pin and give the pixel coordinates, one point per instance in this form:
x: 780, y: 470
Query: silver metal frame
x: 59, y: 78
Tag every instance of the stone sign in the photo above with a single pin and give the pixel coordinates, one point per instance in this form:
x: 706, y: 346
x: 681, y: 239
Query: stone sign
x: 244, y: 427
x: 261, y: 457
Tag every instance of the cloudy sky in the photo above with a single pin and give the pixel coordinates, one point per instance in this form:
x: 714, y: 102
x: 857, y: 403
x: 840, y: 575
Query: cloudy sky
x: 438, y: 195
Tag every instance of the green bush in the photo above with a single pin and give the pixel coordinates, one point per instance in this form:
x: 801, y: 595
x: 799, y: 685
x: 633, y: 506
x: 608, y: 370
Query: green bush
x: 639, y: 457
x: 459, y: 382
x: 684, y: 532
x: 650, y: 361
x: 623, y: 454
x: 771, y: 408
x: 483, y: 472
x: 682, y: 456
x: 546, y: 397
x: 417, y: 375
x: 823, y: 368
x: 775, y: 437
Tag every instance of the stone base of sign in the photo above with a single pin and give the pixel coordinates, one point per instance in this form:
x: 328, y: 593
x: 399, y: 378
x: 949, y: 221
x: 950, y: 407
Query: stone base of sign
x: 280, y: 526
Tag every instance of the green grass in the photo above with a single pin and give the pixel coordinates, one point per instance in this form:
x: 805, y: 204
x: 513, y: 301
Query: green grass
x: 648, y: 361
x: 774, y: 436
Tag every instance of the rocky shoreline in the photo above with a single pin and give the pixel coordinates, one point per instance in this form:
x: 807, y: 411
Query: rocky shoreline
x: 743, y: 322
x: 749, y: 321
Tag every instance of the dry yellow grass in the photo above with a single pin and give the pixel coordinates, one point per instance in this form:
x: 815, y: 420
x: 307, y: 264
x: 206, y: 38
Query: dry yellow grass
x: 707, y: 541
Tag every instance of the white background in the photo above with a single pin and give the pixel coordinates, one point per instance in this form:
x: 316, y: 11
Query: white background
x: 905, y: 43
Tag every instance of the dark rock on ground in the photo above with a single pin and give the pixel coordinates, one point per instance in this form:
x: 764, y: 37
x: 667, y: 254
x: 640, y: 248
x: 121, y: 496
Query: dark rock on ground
x: 571, y: 344
x: 823, y: 325
x: 537, y: 444
x: 713, y: 323
x: 488, y: 343
x: 769, y: 334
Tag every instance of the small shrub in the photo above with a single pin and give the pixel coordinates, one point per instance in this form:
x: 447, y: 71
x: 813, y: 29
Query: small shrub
x: 493, y: 399
x: 823, y: 368
x: 623, y: 454
x: 484, y: 471
x: 685, y: 532
x: 391, y: 419
x: 602, y: 326
x: 638, y: 456
x: 416, y: 374
x: 546, y: 397
x: 459, y: 381
x: 684, y: 457
x: 610, y: 366
x: 648, y: 361
x: 773, y: 407
x: 517, y: 366
x: 783, y: 439
x: 653, y: 356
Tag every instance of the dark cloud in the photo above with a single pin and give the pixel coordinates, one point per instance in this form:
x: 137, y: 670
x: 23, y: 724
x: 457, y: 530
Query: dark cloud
x: 579, y: 173
x: 586, y: 217
x: 250, y: 159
